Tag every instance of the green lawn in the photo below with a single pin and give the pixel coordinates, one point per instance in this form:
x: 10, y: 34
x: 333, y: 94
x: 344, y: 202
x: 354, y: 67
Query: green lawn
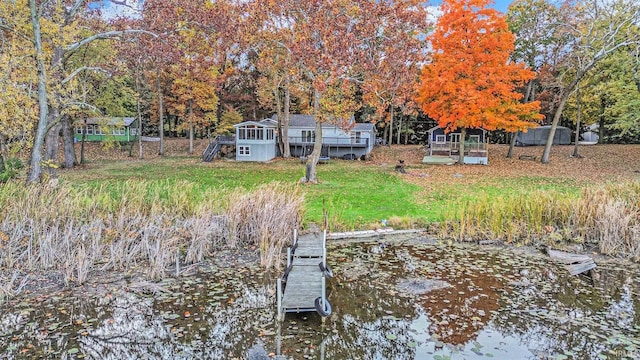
x: 356, y: 195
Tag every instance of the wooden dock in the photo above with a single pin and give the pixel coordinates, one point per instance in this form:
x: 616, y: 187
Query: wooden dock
x: 302, y: 288
x: 574, y: 263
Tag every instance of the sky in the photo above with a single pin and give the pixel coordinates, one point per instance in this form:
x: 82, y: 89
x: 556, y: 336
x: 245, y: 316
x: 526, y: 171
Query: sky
x: 110, y: 11
x: 500, y: 5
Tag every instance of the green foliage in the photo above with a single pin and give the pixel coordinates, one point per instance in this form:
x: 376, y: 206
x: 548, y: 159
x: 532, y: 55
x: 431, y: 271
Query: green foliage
x: 229, y: 118
x: 11, y: 169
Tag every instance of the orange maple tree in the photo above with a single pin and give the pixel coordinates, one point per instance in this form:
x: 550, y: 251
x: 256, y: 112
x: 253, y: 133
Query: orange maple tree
x: 470, y: 82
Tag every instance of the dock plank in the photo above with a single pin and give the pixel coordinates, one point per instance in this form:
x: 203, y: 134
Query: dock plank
x: 304, y: 283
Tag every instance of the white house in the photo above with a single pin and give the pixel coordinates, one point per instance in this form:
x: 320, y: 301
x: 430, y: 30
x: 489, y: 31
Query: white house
x: 256, y: 140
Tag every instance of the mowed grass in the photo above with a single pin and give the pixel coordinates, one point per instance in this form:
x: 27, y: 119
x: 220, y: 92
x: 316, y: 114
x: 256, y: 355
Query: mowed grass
x: 355, y: 195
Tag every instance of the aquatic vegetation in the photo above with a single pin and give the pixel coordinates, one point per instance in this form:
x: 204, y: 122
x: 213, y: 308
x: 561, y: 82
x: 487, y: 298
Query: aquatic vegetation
x: 499, y: 303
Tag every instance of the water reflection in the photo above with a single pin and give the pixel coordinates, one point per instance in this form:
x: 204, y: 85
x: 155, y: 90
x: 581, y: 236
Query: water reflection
x: 419, y: 301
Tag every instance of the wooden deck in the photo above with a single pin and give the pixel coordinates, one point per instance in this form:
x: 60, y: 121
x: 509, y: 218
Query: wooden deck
x: 305, y: 282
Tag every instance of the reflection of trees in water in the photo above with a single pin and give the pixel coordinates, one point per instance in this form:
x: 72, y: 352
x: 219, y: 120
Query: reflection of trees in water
x: 132, y: 332
x: 554, y: 312
x: 526, y: 300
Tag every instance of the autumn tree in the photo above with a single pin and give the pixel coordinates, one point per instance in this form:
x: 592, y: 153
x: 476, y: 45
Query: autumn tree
x: 58, y: 30
x: 279, y: 75
x: 392, y: 57
x: 193, y: 82
x: 532, y: 22
x: 591, y: 31
x: 470, y: 82
x: 18, y: 108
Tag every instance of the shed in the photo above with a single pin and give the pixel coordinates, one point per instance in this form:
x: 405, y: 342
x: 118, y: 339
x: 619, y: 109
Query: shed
x: 539, y: 135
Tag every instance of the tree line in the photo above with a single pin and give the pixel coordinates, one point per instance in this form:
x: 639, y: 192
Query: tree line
x: 200, y: 66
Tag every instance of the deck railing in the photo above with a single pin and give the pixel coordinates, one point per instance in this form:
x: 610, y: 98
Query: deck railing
x: 468, y: 146
x: 331, y: 141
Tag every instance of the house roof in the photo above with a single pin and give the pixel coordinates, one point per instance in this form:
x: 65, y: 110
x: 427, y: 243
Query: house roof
x: 438, y: 127
x: 111, y: 121
x: 263, y: 123
x: 307, y: 121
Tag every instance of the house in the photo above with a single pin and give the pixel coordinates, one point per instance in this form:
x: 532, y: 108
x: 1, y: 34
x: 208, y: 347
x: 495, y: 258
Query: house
x: 354, y: 142
x: 444, y: 148
x: 123, y: 129
x: 256, y: 140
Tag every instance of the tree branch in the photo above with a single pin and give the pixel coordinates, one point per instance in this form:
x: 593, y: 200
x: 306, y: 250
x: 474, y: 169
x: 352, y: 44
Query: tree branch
x: 106, y: 35
x: 83, y: 68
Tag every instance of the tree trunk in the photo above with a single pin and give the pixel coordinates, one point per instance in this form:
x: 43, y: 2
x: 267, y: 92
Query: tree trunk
x: 603, y: 108
x: 35, y: 171
x: 2, y: 151
x: 391, y: 127
x: 160, y: 115
x: 70, y: 159
x: 554, y: 126
x: 385, y: 134
x: 406, y: 133
x: 312, y: 161
x: 280, y: 116
x: 512, y: 144
x: 191, y: 127
x: 287, y: 118
x: 530, y: 95
x: 139, y: 116
x: 399, y: 130
x: 83, y: 141
x: 575, y: 147
x: 52, y: 142
x: 463, y: 135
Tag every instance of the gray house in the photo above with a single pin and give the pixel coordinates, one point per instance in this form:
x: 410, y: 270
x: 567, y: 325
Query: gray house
x: 355, y: 141
x: 256, y: 140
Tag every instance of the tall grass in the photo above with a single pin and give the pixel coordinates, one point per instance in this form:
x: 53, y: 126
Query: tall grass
x: 146, y: 226
x: 265, y: 217
x: 606, y: 216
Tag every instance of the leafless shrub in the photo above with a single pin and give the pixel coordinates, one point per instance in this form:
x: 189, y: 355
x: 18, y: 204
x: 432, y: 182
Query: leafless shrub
x: 265, y: 217
x: 616, y: 224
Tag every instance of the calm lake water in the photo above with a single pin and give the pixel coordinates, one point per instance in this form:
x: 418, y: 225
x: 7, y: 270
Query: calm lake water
x: 390, y: 301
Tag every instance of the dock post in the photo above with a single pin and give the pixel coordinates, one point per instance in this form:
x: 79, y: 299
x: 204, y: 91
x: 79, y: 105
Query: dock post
x: 324, y: 251
x: 279, y: 295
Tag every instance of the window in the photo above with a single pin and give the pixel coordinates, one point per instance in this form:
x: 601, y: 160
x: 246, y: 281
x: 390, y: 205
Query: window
x: 270, y: 133
x: 308, y: 136
x: 441, y: 139
x: 89, y: 129
x: 118, y: 131
x: 244, y: 150
x: 474, y: 139
x: 356, y: 137
x: 250, y: 132
x: 79, y: 130
x: 455, y: 139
